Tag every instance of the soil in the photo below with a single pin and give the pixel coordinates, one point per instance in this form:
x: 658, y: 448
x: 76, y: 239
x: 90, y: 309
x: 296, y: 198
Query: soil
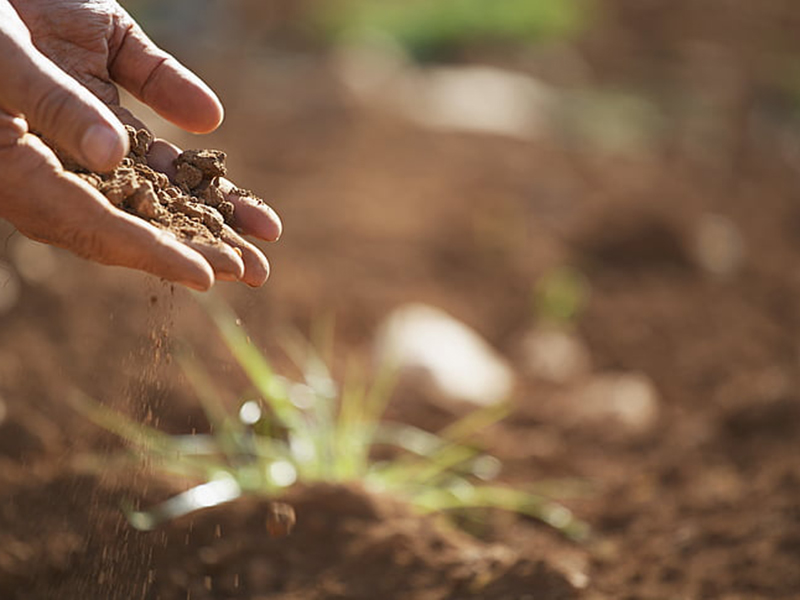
x: 191, y: 205
x: 704, y: 503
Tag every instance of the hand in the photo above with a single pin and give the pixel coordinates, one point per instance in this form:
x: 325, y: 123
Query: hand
x: 58, y: 62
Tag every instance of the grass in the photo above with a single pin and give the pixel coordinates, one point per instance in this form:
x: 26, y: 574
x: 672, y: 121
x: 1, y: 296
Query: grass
x: 427, y: 29
x: 560, y: 296
x: 315, y: 430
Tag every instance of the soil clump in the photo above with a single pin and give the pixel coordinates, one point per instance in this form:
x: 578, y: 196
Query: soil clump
x: 193, y: 205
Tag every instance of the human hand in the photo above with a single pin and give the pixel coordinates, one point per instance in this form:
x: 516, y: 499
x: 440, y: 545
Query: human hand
x: 58, y: 62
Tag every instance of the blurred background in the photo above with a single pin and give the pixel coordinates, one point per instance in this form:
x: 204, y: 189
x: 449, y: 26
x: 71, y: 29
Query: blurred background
x: 604, y: 191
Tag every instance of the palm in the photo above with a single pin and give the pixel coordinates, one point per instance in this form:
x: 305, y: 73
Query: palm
x: 82, y: 37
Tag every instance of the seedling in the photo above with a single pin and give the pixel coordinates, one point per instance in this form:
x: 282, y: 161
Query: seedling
x: 560, y: 296
x: 316, y: 431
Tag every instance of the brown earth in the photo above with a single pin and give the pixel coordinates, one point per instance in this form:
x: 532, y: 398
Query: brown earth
x: 191, y: 205
x: 704, y: 504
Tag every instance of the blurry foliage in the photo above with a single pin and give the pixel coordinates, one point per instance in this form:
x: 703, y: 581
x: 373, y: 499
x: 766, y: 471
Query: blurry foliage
x: 315, y: 430
x: 560, y: 296
x: 428, y: 29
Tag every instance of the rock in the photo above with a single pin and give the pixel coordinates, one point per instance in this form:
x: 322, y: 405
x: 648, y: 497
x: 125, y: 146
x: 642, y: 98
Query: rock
x: 483, y: 100
x: 208, y: 164
x: 616, y: 404
x: 145, y: 201
x: 555, y: 355
x: 718, y: 245
x: 473, y: 99
x: 451, y: 358
x: 189, y: 175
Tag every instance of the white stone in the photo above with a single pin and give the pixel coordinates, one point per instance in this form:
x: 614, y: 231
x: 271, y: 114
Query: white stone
x: 555, y: 355
x: 718, y: 245
x: 457, y: 362
x: 473, y: 99
x: 626, y: 403
x: 483, y: 100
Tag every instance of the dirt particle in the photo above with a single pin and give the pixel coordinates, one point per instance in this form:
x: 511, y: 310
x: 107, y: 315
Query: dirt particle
x: 192, y: 206
x: 280, y: 519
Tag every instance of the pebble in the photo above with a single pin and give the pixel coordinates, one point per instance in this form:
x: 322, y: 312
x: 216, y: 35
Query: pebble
x: 449, y: 357
x: 555, y: 355
x: 718, y: 245
x: 471, y: 99
x: 624, y: 404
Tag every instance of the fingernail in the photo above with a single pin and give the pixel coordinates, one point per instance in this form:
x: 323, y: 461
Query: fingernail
x: 102, y: 147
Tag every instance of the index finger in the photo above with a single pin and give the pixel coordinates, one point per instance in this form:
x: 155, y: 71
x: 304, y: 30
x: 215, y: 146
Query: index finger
x: 160, y: 81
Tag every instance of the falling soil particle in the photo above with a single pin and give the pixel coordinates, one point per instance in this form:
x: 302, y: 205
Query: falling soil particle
x: 280, y: 519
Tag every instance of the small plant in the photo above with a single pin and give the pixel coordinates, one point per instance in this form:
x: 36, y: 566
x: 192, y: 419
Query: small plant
x: 560, y: 296
x: 312, y: 431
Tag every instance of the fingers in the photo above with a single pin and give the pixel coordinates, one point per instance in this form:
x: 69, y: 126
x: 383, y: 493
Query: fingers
x: 11, y: 129
x: 161, y: 157
x: 117, y: 238
x: 226, y: 262
x: 256, y: 219
x: 160, y: 81
x: 59, y: 208
x: 253, y: 216
x: 53, y: 103
x: 256, y: 266
x: 127, y: 117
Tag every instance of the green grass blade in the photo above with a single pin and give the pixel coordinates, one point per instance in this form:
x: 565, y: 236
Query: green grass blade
x: 466, y: 497
x: 252, y: 361
x: 169, y: 452
x: 452, y: 449
x: 229, y: 432
x: 352, y: 440
x: 475, y: 423
x: 139, y: 435
x: 412, y: 439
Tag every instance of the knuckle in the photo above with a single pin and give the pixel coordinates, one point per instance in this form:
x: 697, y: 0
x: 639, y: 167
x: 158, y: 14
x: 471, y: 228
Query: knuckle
x: 11, y: 130
x: 51, y: 109
x: 21, y: 164
x: 29, y: 169
x: 86, y: 237
x: 82, y: 242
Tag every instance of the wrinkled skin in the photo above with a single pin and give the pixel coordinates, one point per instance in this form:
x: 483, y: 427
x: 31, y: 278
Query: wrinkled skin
x: 60, y: 63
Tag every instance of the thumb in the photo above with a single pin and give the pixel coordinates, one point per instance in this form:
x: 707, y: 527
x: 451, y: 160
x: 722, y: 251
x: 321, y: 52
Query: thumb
x: 58, y: 107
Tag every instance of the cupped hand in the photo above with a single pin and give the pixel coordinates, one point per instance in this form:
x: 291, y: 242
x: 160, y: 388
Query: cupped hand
x: 59, y: 61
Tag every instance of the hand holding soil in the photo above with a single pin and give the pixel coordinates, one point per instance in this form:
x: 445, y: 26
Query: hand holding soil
x: 59, y: 61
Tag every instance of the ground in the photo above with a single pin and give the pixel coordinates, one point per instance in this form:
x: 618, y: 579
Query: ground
x: 702, y: 504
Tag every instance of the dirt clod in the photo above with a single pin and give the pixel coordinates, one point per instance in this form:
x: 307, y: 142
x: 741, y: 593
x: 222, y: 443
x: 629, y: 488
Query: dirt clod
x: 280, y: 519
x: 192, y: 206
